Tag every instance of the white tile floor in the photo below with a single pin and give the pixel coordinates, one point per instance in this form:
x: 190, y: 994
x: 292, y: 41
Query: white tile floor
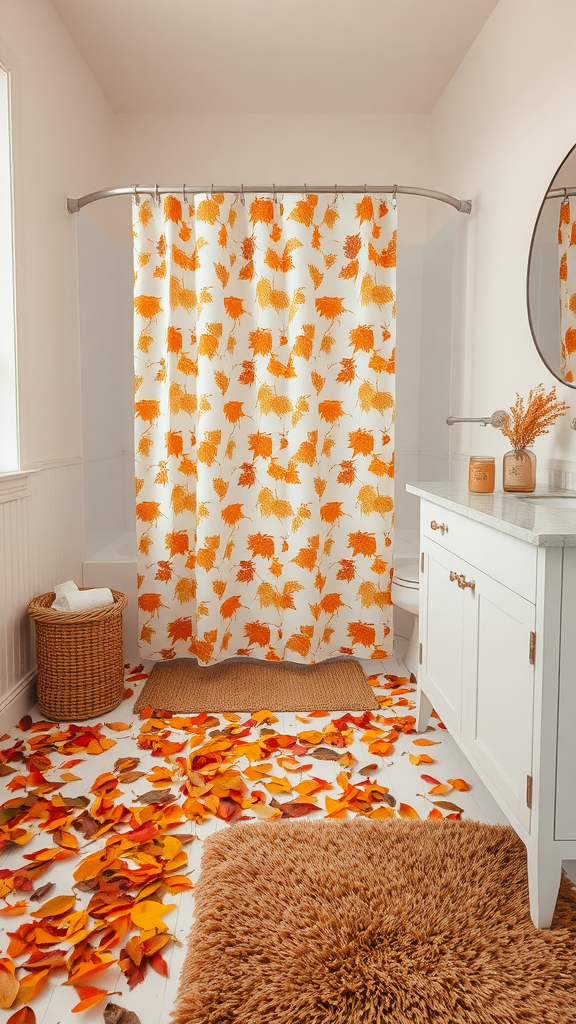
x: 153, y: 999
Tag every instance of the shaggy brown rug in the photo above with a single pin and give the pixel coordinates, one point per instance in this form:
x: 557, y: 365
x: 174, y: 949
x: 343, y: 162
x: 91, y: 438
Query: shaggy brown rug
x: 373, y: 922
x: 253, y: 685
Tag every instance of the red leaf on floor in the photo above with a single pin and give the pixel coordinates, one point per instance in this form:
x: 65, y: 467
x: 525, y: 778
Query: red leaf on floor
x: 158, y: 964
x: 295, y: 809
x: 25, y: 1015
x: 128, y: 693
x: 24, y: 723
x: 228, y: 810
x: 431, y: 780
x: 135, y: 973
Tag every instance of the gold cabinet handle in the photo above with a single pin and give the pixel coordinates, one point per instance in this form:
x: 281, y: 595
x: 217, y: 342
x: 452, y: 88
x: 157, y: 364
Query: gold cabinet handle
x: 439, y: 526
x: 461, y: 580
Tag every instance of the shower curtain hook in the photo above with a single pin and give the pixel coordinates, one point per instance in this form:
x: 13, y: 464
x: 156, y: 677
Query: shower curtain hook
x: 394, y: 197
x: 364, y: 189
x: 212, y: 190
x: 136, y: 195
x: 305, y: 189
x: 566, y: 199
x: 156, y: 195
x: 242, y: 196
x: 184, y: 200
x: 273, y: 193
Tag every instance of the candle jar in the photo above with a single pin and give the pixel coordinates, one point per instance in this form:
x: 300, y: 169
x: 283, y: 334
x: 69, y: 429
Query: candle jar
x: 481, y: 473
x: 519, y: 470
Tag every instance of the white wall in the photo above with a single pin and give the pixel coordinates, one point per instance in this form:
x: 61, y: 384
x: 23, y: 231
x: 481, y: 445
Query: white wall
x: 61, y: 143
x: 503, y: 125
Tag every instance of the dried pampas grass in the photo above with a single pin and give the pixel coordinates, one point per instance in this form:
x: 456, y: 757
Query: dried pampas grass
x: 527, y: 422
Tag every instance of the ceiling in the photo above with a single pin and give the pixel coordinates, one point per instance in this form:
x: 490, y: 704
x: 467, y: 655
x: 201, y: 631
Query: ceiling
x: 273, y: 56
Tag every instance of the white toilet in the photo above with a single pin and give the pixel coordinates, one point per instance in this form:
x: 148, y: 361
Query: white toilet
x: 405, y: 595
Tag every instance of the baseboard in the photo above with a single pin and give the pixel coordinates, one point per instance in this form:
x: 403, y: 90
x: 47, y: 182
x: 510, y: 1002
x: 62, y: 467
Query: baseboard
x: 18, y: 702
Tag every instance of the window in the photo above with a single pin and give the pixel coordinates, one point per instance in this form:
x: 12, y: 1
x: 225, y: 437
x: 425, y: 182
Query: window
x: 8, y: 397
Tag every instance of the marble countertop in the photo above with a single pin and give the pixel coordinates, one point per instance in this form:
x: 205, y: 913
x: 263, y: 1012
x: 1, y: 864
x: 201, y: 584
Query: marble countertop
x: 536, y: 524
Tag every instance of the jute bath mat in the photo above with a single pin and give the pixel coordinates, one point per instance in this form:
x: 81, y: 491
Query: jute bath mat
x: 373, y: 922
x: 184, y: 686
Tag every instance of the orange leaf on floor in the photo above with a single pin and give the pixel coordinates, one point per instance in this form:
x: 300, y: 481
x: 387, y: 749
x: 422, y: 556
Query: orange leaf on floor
x: 381, y: 747
x: 406, y: 811
x: 9, y: 984
x: 90, y: 996
x: 435, y: 813
x: 54, y: 907
x: 425, y: 743
x: 311, y: 736
x: 439, y: 790
x: 420, y: 759
x: 14, y: 910
x: 32, y: 985
x: 347, y: 760
x: 264, y: 716
x: 147, y: 913
x: 459, y: 784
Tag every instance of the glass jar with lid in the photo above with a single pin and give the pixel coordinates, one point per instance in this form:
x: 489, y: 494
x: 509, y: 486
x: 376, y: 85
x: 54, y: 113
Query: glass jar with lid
x: 481, y: 474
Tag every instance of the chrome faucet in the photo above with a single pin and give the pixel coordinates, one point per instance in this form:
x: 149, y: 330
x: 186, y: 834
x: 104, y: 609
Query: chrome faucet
x: 497, y: 419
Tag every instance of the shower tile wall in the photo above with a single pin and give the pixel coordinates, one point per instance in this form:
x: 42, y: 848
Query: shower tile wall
x: 429, y: 311
x: 105, y: 287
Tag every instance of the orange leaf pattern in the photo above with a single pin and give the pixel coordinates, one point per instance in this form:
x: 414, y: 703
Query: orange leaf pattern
x: 264, y: 362
x: 567, y: 258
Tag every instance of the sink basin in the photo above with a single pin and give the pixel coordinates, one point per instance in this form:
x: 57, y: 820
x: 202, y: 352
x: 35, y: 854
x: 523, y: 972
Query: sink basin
x: 553, y: 500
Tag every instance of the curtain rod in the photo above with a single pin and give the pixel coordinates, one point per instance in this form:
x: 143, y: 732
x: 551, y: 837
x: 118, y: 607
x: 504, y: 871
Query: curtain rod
x: 560, y: 193
x: 74, y: 205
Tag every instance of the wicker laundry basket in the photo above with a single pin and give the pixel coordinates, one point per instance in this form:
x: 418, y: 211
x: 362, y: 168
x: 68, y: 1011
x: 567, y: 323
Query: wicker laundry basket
x: 80, y: 660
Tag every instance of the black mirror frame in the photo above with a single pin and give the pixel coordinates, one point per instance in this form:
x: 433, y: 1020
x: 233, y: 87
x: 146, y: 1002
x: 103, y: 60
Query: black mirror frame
x: 532, y: 331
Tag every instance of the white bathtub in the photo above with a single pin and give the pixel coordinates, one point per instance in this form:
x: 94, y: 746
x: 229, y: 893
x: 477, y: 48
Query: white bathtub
x: 114, y: 566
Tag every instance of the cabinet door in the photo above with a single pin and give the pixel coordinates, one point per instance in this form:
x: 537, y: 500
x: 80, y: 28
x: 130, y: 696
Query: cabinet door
x: 498, y: 689
x: 442, y: 633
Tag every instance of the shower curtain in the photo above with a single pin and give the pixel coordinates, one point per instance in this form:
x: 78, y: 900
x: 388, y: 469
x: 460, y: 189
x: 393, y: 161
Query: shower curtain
x: 264, y: 410
x: 567, y: 257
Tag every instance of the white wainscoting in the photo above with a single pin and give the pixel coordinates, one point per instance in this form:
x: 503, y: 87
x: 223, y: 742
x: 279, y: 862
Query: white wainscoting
x: 41, y: 543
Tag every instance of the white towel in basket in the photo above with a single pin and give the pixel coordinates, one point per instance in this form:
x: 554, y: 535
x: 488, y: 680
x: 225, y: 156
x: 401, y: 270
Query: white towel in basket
x: 70, y: 599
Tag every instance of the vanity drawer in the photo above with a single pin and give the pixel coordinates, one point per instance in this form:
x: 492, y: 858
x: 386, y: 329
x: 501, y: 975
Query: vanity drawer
x: 506, y: 559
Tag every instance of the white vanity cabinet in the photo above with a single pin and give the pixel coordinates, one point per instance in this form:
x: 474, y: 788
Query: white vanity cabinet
x: 497, y: 634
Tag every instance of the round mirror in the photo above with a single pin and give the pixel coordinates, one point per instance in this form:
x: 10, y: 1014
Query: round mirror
x: 551, y: 285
